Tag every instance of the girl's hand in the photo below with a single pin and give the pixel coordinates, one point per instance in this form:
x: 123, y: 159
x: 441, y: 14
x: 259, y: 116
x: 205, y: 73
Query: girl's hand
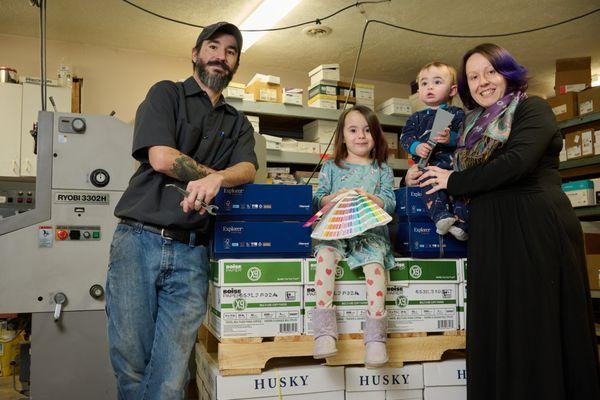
x: 443, y: 136
x: 412, y: 175
x: 436, y: 177
x: 374, y: 198
x: 423, y: 150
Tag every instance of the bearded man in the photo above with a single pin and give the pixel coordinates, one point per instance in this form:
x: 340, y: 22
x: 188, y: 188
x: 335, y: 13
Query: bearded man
x: 157, y: 281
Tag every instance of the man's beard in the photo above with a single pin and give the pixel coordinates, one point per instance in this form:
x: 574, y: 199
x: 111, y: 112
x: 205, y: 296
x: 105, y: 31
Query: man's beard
x: 216, y: 81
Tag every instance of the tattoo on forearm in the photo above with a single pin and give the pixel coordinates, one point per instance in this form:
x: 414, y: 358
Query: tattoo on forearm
x: 186, y: 169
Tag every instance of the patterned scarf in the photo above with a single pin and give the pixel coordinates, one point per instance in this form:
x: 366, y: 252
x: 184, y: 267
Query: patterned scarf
x: 485, y: 131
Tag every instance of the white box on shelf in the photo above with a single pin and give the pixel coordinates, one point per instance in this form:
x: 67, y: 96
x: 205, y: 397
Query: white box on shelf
x: 255, y: 122
x: 580, y: 193
x: 462, y: 305
x: 323, y: 101
x: 234, y: 90
x: 330, y: 72
x: 365, y: 92
x: 273, y: 142
x: 308, y: 147
x: 587, y: 142
x: 562, y: 156
x: 292, y: 96
x: 360, y: 379
x: 288, y: 144
x: 395, y: 106
x: 318, y: 129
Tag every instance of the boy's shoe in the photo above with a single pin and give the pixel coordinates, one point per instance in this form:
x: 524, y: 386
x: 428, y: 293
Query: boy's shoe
x: 443, y: 225
x: 458, y: 232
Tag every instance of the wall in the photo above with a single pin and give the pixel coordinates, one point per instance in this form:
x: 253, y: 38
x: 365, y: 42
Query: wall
x: 118, y: 79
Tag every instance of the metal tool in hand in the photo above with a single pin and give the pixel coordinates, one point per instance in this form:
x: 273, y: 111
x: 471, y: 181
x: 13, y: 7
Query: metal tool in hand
x: 441, y: 121
x: 210, y: 208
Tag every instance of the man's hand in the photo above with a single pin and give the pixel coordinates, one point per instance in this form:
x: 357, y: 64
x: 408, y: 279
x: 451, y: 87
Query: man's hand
x: 202, y: 190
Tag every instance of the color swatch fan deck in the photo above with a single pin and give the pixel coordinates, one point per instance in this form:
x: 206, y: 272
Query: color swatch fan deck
x: 352, y: 214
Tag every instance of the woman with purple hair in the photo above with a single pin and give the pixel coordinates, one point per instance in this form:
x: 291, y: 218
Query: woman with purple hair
x: 530, y: 331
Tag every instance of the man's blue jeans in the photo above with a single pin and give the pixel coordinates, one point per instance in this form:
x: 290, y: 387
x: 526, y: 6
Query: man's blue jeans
x: 155, y: 300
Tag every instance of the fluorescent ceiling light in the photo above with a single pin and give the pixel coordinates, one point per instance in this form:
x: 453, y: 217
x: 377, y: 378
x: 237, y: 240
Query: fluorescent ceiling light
x: 266, y: 15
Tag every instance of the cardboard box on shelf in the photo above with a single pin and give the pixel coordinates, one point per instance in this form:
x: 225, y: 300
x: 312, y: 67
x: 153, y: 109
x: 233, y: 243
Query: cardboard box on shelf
x: 589, y: 100
x: 330, y: 72
x: 580, y: 193
x: 571, y: 73
x: 593, y: 267
x: 323, y: 101
x: 292, y: 96
x: 308, y: 147
x: 323, y: 87
x: 234, y: 90
x: 365, y: 93
x: 596, y: 142
x: 344, y: 87
x: 318, y: 130
x: 395, y: 106
x: 587, y: 142
x: 273, y: 142
x: 265, y: 88
x: 562, y: 156
x: 564, y: 106
x: 255, y: 122
x: 573, y: 145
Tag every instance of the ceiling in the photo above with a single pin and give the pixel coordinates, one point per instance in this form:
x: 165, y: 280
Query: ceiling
x: 389, y: 54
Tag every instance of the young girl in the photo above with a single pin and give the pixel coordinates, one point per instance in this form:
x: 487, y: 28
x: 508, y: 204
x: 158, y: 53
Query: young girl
x: 360, y: 152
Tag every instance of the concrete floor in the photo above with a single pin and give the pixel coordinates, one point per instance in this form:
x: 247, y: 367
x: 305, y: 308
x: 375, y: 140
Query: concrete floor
x: 6, y: 389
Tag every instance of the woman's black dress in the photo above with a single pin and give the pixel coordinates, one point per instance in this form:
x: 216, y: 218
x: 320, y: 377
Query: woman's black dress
x: 530, y: 328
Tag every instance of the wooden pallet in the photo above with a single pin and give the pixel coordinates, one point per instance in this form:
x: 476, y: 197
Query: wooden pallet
x: 250, y: 355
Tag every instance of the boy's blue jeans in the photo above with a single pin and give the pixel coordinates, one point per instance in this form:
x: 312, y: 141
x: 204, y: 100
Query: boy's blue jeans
x: 155, y: 300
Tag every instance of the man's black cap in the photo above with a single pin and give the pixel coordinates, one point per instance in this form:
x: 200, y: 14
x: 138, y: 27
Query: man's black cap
x: 220, y: 27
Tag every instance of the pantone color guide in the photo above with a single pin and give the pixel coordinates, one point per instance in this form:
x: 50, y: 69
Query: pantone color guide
x: 352, y: 215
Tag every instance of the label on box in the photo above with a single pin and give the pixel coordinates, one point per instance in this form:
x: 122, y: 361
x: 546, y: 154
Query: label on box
x: 422, y: 307
x: 586, y: 107
x: 268, y: 95
x: 587, y: 143
x: 247, y: 272
x: 365, y: 379
x: 573, y: 152
x: 351, y: 307
x: 252, y: 311
x: 343, y: 273
x: 558, y: 110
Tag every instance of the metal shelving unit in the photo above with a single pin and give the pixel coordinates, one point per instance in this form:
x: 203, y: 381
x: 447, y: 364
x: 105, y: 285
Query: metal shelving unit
x: 579, y: 120
x: 279, y: 156
x: 308, y: 113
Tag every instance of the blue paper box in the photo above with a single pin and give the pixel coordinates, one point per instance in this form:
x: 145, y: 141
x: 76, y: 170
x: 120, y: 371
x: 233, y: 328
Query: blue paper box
x: 265, y: 202
x: 261, y: 239
x: 420, y: 240
x: 410, y: 205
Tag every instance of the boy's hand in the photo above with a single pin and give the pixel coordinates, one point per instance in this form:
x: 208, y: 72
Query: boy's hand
x: 443, y: 136
x: 423, y: 150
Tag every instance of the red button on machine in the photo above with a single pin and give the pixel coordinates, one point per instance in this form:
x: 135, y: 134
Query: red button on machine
x: 62, y: 234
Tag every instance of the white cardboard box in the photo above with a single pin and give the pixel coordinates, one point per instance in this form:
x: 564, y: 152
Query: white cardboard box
x: 254, y: 311
x: 378, y: 395
x: 445, y: 373
x: 422, y: 307
x: 395, y: 106
x: 330, y: 72
x: 392, y: 140
x: 308, y: 147
x: 305, y: 382
x: 318, y: 129
x: 323, y: 101
x: 365, y: 92
x: 292, y: 96
x: 359, y: 379
x: 445, y: 393
x: 414, y: 394
x: 234, y: 90
x: 272, y: 142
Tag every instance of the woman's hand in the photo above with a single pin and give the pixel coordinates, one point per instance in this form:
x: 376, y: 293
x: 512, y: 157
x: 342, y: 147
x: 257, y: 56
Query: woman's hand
x: 412, y: 175
x: 443, y: 136
x: 436, y: 177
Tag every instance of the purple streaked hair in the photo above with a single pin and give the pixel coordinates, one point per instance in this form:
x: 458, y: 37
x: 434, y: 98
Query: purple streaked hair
x: 502, y: 61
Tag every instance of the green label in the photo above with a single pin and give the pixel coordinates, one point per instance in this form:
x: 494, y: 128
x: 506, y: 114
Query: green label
x: 215, y: 311
x: 258, y: 272
x: 424, y: 270
x: 240, y: 304
x: 343, y: 273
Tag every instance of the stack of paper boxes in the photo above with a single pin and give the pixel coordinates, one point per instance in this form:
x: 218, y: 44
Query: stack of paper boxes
x: 304, y: 382
x: 320, y: 131
x: 404, y: 383
x: 323, y: 89
x: 445, y: 380
x: 417, y: 236
x: 258, y: 251
x: 422, y: 295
